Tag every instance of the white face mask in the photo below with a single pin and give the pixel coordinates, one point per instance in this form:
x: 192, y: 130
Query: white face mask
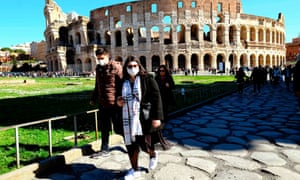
x: 103, y: 62
x: 133, y: 71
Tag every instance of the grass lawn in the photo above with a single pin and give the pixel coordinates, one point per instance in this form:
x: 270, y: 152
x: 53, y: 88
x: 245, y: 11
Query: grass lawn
x: 42, y: 98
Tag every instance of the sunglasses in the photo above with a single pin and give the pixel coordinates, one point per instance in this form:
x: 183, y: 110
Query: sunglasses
x: 161, y: 70
x: 132, y: 66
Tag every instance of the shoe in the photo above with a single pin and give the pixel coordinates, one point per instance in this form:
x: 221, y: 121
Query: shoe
x: 132, y: 174
x: 153, y: 161
x: 102, y: 153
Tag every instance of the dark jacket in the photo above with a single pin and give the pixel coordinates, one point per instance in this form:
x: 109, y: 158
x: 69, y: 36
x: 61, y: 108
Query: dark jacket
x: 150, y: 93
x: 107, y: 84
x: 166, y: 92
x: 296, y: 77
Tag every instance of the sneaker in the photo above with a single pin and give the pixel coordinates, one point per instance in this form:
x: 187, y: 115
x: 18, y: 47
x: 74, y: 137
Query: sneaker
x: 153, y: 161
x: 132, y: 174
x: 102, y: 153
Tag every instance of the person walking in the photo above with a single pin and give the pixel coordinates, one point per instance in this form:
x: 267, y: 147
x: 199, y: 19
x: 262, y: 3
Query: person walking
x: 139, y: 88
x: 166, y: 85
x: 296, y: 81
x: 257, y: 77
x: 240, y: 79
x: 108, y: 83
x: 287, y: 73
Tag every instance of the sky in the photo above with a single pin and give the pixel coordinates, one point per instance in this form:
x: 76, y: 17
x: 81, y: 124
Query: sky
x: 24, y: 22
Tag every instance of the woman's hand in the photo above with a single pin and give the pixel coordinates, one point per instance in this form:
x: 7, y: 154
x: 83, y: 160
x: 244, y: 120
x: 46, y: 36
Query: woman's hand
x: 120, y: 101
x: 156, y: 123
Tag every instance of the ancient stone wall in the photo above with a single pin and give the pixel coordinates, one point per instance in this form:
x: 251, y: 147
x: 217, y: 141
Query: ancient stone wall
x: 183, y: 34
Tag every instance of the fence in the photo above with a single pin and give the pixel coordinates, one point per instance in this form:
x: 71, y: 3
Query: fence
x: 184, y: 97
x: 50, y: 121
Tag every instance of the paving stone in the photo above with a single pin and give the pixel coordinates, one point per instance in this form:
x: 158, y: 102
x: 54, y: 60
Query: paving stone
x: 292, y: 154
x: 203, y: 164
x: 194, y: 153
x: 175, y: 172
x: 230, y: 149
x: 238, y: 162
x: 283, y: 173
x: 234, y: 174
x: 268, y: 158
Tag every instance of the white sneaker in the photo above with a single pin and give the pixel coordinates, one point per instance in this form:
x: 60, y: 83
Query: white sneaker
x: 132, y: 174
x: 153, y: 161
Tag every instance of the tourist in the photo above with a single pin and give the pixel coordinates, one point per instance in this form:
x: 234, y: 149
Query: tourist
x: 166, y: 85
x: 139, y: 88
x: 108, y: 82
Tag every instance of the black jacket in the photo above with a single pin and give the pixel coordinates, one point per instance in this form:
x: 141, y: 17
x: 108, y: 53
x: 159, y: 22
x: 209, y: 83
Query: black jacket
x: 150, y: 93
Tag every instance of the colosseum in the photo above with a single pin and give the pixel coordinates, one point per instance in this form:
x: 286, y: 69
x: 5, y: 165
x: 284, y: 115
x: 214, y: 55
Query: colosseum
x: 183, y: 34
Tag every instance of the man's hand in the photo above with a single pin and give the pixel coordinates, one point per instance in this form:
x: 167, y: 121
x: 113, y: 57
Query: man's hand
x: 156, y: 123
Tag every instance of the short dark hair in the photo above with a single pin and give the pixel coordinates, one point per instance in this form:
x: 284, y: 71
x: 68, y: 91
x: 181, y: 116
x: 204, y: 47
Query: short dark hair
x: 101, y: 51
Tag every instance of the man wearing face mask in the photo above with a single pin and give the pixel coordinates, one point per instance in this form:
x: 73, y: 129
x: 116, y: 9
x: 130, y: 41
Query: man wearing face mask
x: 107, y: 84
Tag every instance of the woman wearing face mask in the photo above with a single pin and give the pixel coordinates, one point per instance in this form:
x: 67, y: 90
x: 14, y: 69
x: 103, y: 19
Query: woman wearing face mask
x: 138, y: 88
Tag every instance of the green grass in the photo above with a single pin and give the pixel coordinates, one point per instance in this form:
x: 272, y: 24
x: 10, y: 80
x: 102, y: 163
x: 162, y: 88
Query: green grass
x: 42, y: 98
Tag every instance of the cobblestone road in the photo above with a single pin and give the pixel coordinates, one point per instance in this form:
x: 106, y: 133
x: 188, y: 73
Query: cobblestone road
x: 249, y: 136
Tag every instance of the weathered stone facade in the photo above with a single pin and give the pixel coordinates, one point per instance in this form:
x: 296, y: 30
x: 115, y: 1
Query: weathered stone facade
x: 183, y: 34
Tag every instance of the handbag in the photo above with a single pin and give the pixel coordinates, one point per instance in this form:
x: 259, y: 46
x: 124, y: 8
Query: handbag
x: 145, y: 110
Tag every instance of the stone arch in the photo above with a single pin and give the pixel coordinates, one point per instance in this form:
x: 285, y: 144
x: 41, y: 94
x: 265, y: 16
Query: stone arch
x: 169, y: 61
x: 107, y: 37
x: 118, y: 36
x: 268, y: 60
x: 180, y: 29
x: 252, y: 34
x: 220, y: 39
x: 88, y: 65
x: 243, y: 33
x: 233, y: 35
x: 78, y: 65
x: 221, y: 63
x: 243, y: 60
x: 70, y: 57
x: 195, y: 32
x: 142, y: 33
x: 129, y: 36
x: 253, y: 60
x: 63, y: 36
x: 260, y: 35
x: 155, y: 34
x: 207, y: 61
x: 207, y: 32
x: 261, y: 60
x: 194, y: 61
x: 168, y: 35
x: 91, y: 33
x: 181, y: 62
x: 155, y: 63
x: 143, y: 61
x: 268, y: 36
x: 78, y: 38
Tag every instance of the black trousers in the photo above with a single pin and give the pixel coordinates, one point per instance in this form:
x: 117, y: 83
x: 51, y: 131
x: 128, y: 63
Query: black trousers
x: 108, y: 117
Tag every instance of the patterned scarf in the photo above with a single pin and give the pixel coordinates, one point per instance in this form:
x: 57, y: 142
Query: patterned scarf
x: 131, y: 110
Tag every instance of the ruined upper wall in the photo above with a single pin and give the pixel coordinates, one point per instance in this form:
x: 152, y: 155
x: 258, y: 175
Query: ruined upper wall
x: 231, y: 7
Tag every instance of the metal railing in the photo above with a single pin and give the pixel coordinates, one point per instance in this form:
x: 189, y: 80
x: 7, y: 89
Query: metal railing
x: 50, y: 121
